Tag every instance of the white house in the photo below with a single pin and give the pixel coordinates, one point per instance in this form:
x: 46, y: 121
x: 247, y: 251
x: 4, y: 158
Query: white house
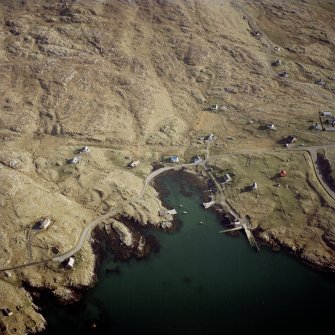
x: 227, y: 178
x: 209, y: 137
x: 326, y: 114
x: 84, y: 149
x: 283, y: 74
x: 44, y: 223
x: 276, y: 62
x: 214, y: 107
x: 174, y: 159
x: 271, y: 126
x: 134, y: 164
x: 7, y: 312
x: 254, y: 186
x: 320, y: 82
x: 197, y: 159
x: 70, y: 263
x: 74, y: 160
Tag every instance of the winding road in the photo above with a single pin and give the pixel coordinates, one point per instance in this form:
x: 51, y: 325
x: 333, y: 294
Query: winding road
x: 86, y: 232
x: 313, y: 154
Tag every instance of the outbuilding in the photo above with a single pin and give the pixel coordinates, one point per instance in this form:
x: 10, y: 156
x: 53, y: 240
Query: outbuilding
x: 326, y: 114
x: 227, y: 178
x: 276, y: 62
x: 209, y: 137
x: 271, y: 126
x: 6, y: 311
x: 283, y: 173
x: 283, y: 74
x: 74, y: 160
x: 84, y: 150
x: 174, y: 159
x: 69, y: 263
x: 134, y: 164
x: 320, y: 82
x: 44, y: 223
x: 214, y: 107
x: 290, y: 139
x: 197, y: 159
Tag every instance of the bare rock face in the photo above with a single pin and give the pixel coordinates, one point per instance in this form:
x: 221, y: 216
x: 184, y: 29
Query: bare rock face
x: 329, y: 237
x: 124, y: 233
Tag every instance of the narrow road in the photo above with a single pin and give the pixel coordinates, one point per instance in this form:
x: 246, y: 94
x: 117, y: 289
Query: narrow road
x: 88, y: 229
x: 313, y: 155
x: 86, y: 232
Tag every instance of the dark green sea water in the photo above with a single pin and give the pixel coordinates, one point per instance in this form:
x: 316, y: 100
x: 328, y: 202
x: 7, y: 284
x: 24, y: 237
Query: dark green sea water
x: 202, y: 282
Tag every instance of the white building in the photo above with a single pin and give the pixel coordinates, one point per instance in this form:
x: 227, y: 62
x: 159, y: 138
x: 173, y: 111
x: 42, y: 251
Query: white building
x: 134, y: 164
x: 271, y: 126
x: 74, y: 160
x: 44, y: 223
x: 254, y: 186
x: 209, y: 137
x: 197, y: 159
x: 320, y: 82
x: 174, y: 159
x: 214, y: 107
x: 84, y: 149
x: 227, y: 178
x: 276, y: 62
x: 70, y: 263
x: 326, y: 114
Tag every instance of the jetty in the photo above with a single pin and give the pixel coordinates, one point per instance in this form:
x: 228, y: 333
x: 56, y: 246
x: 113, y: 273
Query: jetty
x: 208, y: 204
x: 244, y: 224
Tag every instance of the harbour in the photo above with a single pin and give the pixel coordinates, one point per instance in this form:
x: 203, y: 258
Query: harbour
x: 199, y: 282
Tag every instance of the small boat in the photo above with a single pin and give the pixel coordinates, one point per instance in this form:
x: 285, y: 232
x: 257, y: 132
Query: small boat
x: 184, y: 212
x: 181, y: 205
x: 201, y: 222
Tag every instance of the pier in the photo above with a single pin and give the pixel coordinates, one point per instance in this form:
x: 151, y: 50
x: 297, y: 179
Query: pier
x: 244, y: 225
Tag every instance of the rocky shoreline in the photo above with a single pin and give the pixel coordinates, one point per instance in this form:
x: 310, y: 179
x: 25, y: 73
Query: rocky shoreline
x: 127, y: 238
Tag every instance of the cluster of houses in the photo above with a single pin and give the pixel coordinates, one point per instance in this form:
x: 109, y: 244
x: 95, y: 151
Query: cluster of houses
x: 76, y: 159
x: 327, y: 118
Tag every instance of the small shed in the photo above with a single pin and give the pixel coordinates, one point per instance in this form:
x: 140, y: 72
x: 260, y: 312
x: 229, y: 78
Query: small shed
x: 6, y: 311
x: 276, y: 62
x: 254, y: 186
x: 320, y: 82
x: 84, y: 150
x: 290, y: 139
x: 227, y: 178
x: 197, y: 159
x: 174, y: 159
x: 44, y: 223
x: 283, y: 173
x: 69, y: 263
x: 74, y: 160
x: 134, y: 164
x: 271, y: 126
x: 209, y: 137
x: 283, y: 74
x: 326, y: 114
x: 214, y: 107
